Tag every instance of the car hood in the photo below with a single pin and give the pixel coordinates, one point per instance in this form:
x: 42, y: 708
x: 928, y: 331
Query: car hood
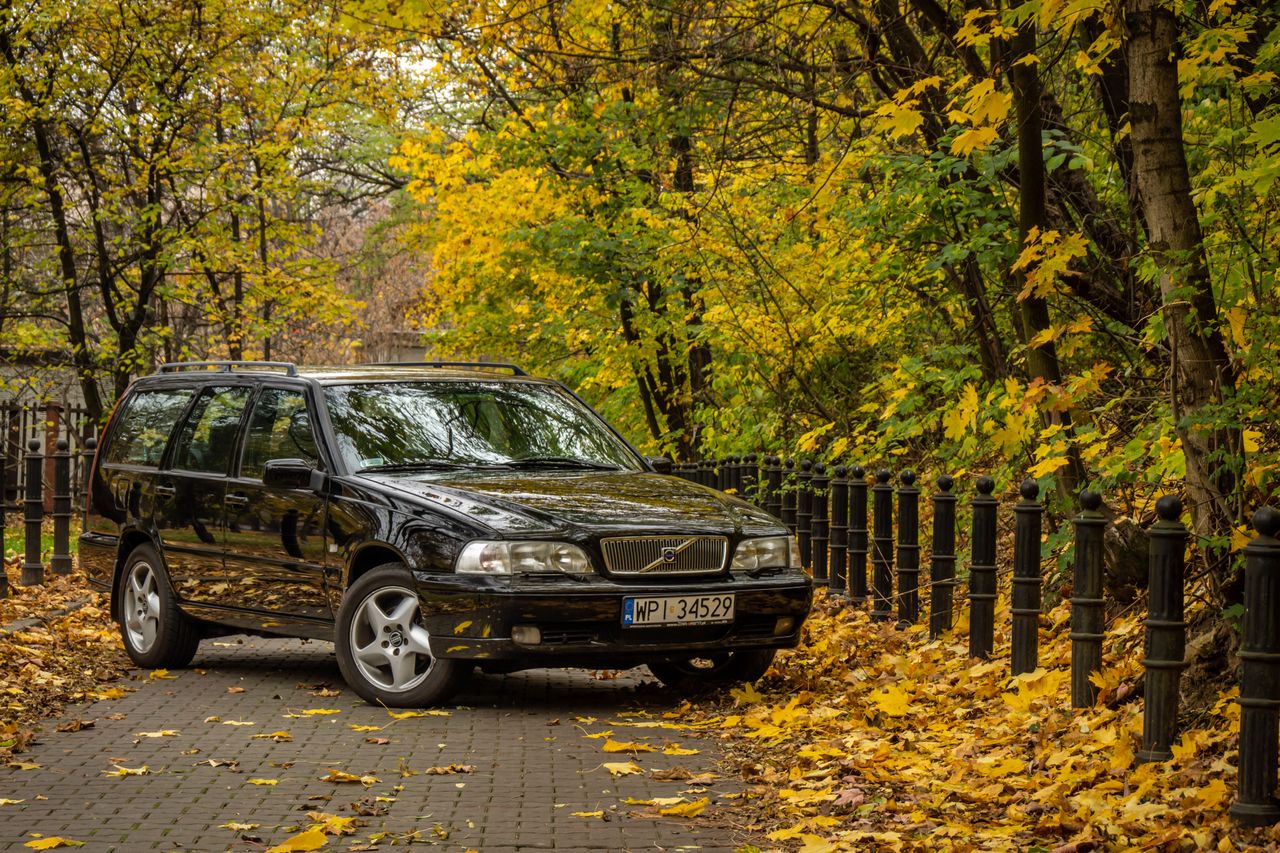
x: 593, y: 501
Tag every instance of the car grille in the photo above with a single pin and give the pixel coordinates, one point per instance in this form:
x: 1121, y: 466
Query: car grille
x: 665, y: 555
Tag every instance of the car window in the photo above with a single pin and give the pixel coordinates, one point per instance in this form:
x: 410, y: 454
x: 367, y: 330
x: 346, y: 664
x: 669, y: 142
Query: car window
x: 208, y: 437
x: 279, y: 428
x: 380, y: 425
x: 145, y: 425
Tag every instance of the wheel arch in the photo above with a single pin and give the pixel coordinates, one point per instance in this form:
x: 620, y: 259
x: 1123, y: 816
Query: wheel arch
x: 368, y: 558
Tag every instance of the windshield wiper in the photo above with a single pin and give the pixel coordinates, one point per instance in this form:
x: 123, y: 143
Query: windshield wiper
x: 410, y: 466
x: 560, y: 462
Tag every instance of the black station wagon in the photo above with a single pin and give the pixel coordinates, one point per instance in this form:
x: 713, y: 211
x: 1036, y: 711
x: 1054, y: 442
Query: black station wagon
x: 427, y: 519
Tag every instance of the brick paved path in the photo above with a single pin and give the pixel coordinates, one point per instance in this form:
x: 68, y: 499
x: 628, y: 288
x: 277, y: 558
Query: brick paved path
x: 530, y: 776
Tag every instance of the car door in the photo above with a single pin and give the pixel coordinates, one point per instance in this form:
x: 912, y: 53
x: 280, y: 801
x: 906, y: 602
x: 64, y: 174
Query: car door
x: 275, y: 539
x: 189, y: 493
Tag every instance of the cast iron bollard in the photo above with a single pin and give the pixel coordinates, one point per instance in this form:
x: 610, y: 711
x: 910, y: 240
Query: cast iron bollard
x: 724, y: 475
x: 709, y: 473
x: 1086, y: 601
x: 982, y: 571
x: 882, y: 547
x: 839, y: 575
x: 821, y: 525
x: 751, y: 480
x: 1166, y: 632
x: 789, y: 486
x: 804, y: 512
x: 942, y: 559
x: 736, y: 474
x: 60, y: 561
x: 32, y: 568
x: 858, y: 534
x: 908, y: 550
x: 1260, y: 675
x: 1026, y: 579
x: 773, y: 486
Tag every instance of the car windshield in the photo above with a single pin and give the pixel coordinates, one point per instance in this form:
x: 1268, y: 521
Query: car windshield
x: 445, y: 425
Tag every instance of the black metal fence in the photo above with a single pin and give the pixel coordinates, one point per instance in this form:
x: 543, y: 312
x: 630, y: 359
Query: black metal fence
x: 811, y: 505
x: 46, y: 422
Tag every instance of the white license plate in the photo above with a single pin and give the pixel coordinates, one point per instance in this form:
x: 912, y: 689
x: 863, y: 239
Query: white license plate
x: 640, y: 612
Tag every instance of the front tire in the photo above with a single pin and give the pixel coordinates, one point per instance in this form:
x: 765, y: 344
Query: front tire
x: 155, y: 633
x: 713, y: 671
x: 384, y: 650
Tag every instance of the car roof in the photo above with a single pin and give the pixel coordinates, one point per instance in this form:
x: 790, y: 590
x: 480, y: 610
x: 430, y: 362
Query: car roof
x: 179, y: 372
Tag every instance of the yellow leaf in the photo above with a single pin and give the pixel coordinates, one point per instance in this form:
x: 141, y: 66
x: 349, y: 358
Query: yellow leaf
x: 238, y: 723
x: 1047, y: 466
x: 109, y: 693
x: 588, y: 814
x: 1252, y: 440
x: 358, y: 728
x: 612, y: 745
x: 320, y: 712
x: 157, y: 674
x: 309, y: 839
x: 621, y: 768
x: 962, y: 418
x: 405, y: 715
x: 971, y: 140
x: 1235, y: 320
x: 692, y: 809
x: 332, y: 823
x: 5, y: 801
x: 995, y: 766
x: 23, y: 765
x: 678, y: 750
x: 127, y: 771
x: 461, y: 627
x: 278, y: 737
x: 161, y: 733
x: 53, y: 841
x: 239, y: 827
x: 340, y: 776
x: 892, y: 701
x: 264, y: 781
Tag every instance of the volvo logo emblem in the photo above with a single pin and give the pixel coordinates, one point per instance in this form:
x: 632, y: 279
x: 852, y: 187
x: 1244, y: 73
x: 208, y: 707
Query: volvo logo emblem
x: 669, y: 555
x: 396, y: 639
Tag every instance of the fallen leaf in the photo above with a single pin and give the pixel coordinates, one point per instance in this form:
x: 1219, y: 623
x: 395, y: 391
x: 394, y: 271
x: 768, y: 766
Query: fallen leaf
x: 75, y: 725
x: 676, y: 749
x: 450, y: 768
x: 161, y: 733
x: 238, y: 723
x: 588, y: 814
x: 621, y: 768
x: 406, y: 715
x: 235, y: 689
x: 343, y: 777
x: 23, y: 765
x: 264, y: 781
x: 320, y: 712
x: 52, y: 842
x: 7, y: 802
x: 378, y: 741
x: 239, y: 827
x: 332, y: 824
x: 121, y: 771
x: 358, y: 728
x: 308, y: 839
x: 625, y: 746
x: 161, y: 674
x: 278, y: 737
x: 692, y: 809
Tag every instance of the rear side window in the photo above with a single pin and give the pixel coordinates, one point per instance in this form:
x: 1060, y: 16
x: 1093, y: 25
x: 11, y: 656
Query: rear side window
x: 279, y: 428
x: 208, y: 438
x: 144, y: 426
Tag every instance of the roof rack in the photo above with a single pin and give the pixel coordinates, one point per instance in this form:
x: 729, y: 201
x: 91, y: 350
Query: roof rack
x: 288, y: 367
x: 516, y: 370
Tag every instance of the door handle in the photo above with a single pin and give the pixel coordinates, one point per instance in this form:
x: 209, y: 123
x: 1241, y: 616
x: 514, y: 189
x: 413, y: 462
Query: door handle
x: 236, y: 499
x: 164, y: 490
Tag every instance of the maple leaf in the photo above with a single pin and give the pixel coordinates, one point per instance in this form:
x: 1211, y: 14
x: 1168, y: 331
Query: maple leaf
x: 621, y: 768
x: 341, y: 777
x: 359, y: 728
x: 332, y: 824
x: 676, y: 749
x: 691, y: 809
x: 625, y: 746
x: 892, y: 701
x: 53, y: 842
x: 128, y: 771
x: 308, y: 839
x: 264, y: 781
x: 238, y: 827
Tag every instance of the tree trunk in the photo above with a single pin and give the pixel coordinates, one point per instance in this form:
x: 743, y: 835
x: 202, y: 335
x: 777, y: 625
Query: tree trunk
x: 1201, y: 374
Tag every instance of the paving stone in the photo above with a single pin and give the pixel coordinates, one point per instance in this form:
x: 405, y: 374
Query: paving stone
x: 530, y: 777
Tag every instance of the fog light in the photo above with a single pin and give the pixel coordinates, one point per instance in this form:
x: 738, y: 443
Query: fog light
x: 785, y: 625
x: 526, y: 635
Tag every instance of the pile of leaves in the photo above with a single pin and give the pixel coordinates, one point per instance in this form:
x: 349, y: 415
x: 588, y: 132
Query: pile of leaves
x: 871, y: 737
x: 48, y: 660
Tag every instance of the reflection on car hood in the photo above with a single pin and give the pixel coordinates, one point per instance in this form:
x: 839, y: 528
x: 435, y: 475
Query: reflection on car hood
x: 604, y: 501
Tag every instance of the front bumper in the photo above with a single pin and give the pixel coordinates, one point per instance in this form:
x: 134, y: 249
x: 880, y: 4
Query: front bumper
x: 580, y: 620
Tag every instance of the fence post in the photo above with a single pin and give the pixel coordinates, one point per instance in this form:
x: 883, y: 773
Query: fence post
x: 1260, y: 675
x: 1166, y: 632
x: 982, y: 571
x: 751, y: 480
x: 838, y: 583
x: 908, y: 550
x: 1086, y: 601
x: 773, y: 480
x: 804, y: 513
x: 789, y: 487
x: 882, y: 547
x: 724, y: 475
x: 32, y: 568
x: 1026, y: 579
x: 708, y: 473
x: 821, y: 524
x: 858, y: 534
x: 60, y: 561
x: 942, y: 558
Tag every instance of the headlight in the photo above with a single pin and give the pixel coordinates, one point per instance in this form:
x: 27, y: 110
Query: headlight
x: 772, y: 552
x: 509, y: 558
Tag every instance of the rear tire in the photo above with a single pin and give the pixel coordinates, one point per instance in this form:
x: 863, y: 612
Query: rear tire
x: 383, y: 648
x: 156, y: 635
x: 699, y: 674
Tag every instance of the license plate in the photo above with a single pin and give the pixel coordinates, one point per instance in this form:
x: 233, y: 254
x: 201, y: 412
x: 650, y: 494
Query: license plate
x: 640, y: 612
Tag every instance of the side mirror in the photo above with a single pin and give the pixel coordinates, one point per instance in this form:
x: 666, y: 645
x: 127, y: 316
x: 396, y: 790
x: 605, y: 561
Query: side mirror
x: 660, y: 464
x: 292, y: 474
